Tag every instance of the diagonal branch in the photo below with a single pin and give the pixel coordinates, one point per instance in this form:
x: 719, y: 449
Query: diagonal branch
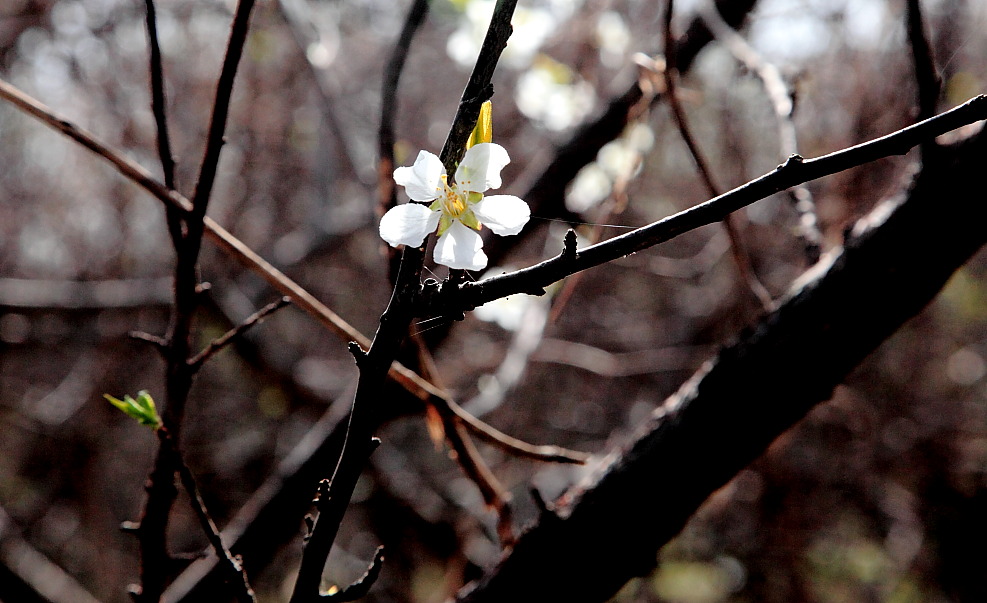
x: 221, y: 342
x: 670, y: 73
x: 796, y: 170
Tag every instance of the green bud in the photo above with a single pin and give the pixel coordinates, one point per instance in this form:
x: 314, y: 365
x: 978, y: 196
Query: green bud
x: 142, y: 409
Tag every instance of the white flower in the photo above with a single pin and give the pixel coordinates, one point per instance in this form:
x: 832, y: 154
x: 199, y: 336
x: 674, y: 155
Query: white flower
x: 457, y: 210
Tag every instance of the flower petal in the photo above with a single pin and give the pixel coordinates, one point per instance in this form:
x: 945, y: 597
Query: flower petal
x: 408, y: 224
x: 460, y: 248
x: 421, y: 181
x: 480, y: 167
x: 503, y: 214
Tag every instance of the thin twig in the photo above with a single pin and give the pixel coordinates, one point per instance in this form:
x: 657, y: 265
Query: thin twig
x: 782, y: 101
x: 387, y: 196
x: 512, y: 445
x: 233, y: 568
x: 158, y: 104
x: 221, y: 107
x: 740, y: 256
x: 251, y: 321
x: 159, y: 109
x: 386, y: 190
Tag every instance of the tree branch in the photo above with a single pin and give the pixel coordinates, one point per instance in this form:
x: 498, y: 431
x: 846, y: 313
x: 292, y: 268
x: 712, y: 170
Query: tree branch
x: 796, y: 170
x: 732, y: 409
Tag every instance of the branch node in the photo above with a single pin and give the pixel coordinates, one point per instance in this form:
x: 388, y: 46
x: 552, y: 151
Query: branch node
x: 203, y: 288
x: 309, y: 526
x: 569, y: 246
x: 160, y: 343
x: 321, y: 492
x: 546, y: 511
x: 359, y: 354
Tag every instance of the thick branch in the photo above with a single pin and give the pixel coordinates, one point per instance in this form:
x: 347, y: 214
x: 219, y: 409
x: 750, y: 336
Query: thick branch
x: 727, y: 415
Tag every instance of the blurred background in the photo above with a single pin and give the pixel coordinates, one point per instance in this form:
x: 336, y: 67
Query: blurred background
x: 879, y: 495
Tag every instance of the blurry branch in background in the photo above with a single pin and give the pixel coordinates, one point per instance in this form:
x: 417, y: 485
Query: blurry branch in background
x: 310, y: 36
x: 927, y: 80
x: 795, y: 170
x: 28, y: 576
x: 783, y: 102
x: 387, y: 196
x: 670, y: 74
x: 894, y: 263
x: 26, y: 293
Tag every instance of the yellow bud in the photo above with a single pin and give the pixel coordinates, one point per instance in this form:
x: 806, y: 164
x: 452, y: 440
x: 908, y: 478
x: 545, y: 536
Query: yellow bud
x: 483, y: 132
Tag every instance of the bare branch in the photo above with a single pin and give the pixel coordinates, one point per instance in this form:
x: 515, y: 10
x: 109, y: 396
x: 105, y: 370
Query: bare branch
x: 235, y: 574
x: 796, y: 170
x: 251, y: 321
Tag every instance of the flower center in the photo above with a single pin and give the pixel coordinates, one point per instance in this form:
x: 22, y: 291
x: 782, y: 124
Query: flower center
x: 453, y: 203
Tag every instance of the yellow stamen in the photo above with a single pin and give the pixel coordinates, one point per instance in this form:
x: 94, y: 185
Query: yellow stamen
x: 452, y: 203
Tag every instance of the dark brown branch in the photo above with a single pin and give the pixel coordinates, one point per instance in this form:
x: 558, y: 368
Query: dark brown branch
x: 796, y: 170
x: 926, y: 76
x: 221, y: 107
x: 251, y: 321
x: 158, y: 104
x: 739, y: 251
x: 386, y: 189
x: 611, y: 526
x: 479, y: 87
x: 233, y: 569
